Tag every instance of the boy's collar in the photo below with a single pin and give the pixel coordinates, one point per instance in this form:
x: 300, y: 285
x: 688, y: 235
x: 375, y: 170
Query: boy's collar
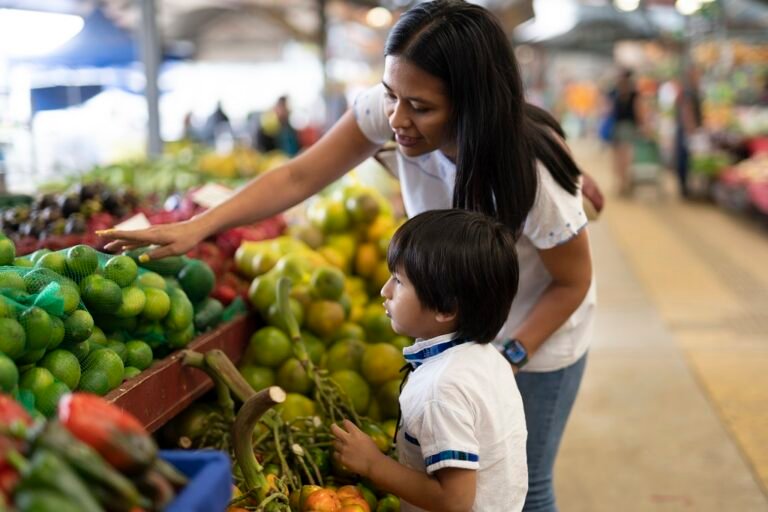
x: 422, y: 350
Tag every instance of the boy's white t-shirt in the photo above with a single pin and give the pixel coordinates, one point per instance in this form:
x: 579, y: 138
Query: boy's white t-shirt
x: 427, y: 183
x: 461, y: 409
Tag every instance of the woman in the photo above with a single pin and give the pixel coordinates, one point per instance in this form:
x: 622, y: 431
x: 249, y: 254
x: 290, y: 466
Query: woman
x: 453, y: 97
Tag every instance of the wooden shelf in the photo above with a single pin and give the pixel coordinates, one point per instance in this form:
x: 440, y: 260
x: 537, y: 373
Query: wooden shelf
x: 166, y: 388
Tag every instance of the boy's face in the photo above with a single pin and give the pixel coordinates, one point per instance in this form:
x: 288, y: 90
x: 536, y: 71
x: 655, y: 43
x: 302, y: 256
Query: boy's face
x: 407, y: 315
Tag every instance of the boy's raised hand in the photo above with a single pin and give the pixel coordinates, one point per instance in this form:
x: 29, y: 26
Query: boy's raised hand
x: 354, y: 448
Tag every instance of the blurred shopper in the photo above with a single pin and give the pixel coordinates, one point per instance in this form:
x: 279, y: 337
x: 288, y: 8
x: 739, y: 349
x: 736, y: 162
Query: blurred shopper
x: 688, y: 120
x: 275, y: 130
x: 453, y: 97
x: 625, y: 112
x: 763, y: 99
x: 217, y: 125
x: 188, y: 128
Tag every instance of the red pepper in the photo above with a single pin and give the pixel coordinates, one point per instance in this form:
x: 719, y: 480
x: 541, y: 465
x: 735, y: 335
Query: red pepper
x: 115, y: 434
x: 11, y: 411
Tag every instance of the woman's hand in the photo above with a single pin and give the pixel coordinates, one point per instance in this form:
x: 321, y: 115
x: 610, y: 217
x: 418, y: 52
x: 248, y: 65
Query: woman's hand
x: 172, y: 239
x: 355, y: 449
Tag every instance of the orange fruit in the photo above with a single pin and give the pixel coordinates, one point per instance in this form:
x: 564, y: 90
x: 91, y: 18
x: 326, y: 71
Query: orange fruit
x: 379, y: 277
x: 388, y: 503
x: 328, y: 215
x: 293, y: 377
x: 64, y: 366
x: 36, y: 379
x: 9, y: 374
x: 121, y: 269
x: 258, y: 377
x: 157, y: 304
x: 102, y: 295
x: 107, y: 361
x: 262, y: 291
x: 81, y: 261
x: 348, y: 330
x: 38, y: 326
x: 12, y: 280
x: 55, y: 261
x: 344, y: 355
x: 324, y: 317
x: 334, y: 257
x: 269, y: 347
x: 13, y: 338
x: 356, y: 389
x: 7, y: 252
x: 366, y: 259
x: 326, y: 283
x: 381, y: 362
x: 138, y: 354
x: 362, y: 208
x: 78, y: 326
x: 296, y: 406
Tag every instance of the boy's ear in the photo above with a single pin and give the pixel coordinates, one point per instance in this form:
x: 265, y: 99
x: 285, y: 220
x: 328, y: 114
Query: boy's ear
x: 445, y: 317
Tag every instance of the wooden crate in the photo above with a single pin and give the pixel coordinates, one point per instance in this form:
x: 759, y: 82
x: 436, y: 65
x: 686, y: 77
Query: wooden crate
x: 166, y: 388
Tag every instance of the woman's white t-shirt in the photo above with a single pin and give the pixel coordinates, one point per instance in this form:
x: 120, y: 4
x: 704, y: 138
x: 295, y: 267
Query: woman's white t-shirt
x: 427, y: 184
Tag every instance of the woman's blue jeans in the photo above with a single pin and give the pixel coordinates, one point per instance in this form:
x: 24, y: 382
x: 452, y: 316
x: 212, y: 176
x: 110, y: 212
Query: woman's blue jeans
x: 547, y: 398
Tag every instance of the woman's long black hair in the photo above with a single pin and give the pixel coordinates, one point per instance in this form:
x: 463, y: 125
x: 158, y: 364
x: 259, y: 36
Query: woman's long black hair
x: 499, y: 136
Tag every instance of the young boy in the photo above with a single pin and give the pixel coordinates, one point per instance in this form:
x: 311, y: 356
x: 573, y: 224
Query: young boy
x: 461, y: 441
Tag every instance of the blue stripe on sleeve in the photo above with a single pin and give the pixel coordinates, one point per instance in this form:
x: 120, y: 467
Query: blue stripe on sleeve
x: 450, y: 455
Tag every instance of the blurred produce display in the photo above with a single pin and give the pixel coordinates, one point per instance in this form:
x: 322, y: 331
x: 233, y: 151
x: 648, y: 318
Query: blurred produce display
x: 80, y: 319
x: 91, y: 457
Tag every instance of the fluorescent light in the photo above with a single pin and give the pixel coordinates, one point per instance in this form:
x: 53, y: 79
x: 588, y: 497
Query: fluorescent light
x: 379, y: 17
x: 29, y: 33
x: 687, y: 7
x: 626, y: 5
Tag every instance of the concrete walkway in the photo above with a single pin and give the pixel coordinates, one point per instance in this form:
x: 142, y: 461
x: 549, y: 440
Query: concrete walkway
x: 673, y: 412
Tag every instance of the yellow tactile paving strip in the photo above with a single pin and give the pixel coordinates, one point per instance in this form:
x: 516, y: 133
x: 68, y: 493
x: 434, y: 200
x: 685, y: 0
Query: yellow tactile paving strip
x: 707, y: 272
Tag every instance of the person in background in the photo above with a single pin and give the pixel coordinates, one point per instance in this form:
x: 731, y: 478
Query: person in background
x: 452, y: 96
x: 461, y: 441
x: 188, y: 129
x: 216, y: 125
x: 688, y: 119
x: 763, y: 95
x: 626, y: 117
x: 275, y: 131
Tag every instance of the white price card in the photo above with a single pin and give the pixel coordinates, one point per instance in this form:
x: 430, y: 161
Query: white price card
x: 211, y: 194
x: 138, y: 221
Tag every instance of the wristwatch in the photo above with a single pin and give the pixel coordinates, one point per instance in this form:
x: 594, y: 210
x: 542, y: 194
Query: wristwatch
x: 515, y: 353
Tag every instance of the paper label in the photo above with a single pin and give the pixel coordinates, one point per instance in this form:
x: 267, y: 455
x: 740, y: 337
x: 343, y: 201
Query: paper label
x: 211, y: 194
x: 138, y: 221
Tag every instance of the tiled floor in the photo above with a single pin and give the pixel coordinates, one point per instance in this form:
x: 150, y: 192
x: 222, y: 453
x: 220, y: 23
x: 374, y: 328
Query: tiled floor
x: 673, y: 412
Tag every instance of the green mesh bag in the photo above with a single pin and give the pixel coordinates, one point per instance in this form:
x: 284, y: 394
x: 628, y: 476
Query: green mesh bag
x: 82, y: 300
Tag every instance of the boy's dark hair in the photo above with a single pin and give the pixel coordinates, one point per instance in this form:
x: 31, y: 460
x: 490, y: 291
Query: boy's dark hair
x: 459, y: 261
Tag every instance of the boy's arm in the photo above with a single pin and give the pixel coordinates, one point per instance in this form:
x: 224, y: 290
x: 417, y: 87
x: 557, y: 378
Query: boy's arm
x: 450, y: 490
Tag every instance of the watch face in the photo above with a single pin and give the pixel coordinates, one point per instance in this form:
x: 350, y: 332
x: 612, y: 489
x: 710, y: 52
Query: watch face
x: 514, y: 352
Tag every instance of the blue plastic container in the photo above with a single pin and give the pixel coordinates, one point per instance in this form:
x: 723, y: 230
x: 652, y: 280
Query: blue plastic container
x: 210, y: 480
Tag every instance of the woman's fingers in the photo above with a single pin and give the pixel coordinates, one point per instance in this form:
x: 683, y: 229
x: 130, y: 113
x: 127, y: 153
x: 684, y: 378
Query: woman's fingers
x: 162, y: 252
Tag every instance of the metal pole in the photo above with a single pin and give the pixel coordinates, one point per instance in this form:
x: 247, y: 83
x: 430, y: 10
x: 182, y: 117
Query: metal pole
x: 322, y: 39
x: 149, y: 42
